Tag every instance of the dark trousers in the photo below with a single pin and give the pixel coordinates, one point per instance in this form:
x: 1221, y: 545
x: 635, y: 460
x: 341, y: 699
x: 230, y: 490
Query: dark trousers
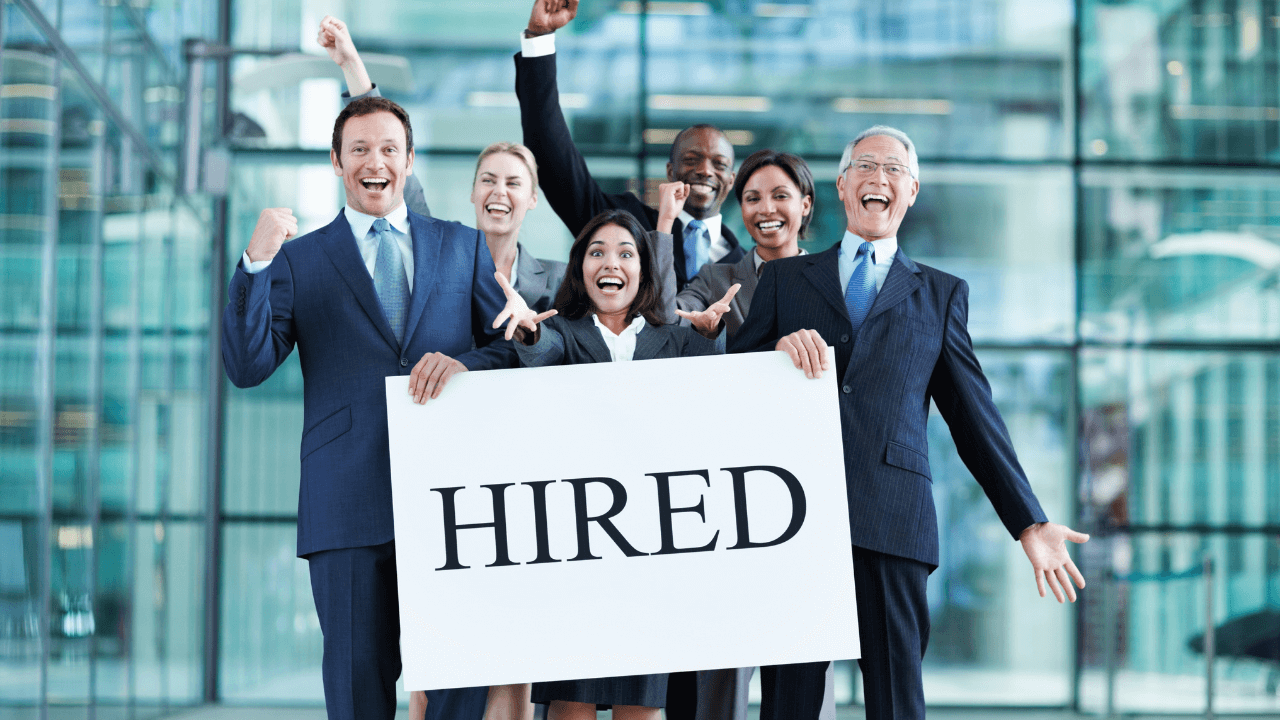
x: 356, y: 598
x: 893, y: 627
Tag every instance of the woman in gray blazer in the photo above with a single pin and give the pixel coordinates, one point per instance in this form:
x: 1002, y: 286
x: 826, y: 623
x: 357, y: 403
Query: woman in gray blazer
x: 775, y: 191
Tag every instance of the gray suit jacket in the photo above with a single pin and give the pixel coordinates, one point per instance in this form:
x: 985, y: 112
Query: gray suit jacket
x: 537, y: 281
x: 574, y: 342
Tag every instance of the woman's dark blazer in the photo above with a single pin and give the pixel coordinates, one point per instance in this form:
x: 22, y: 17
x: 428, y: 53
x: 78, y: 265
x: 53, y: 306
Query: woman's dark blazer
x: 571, y: 342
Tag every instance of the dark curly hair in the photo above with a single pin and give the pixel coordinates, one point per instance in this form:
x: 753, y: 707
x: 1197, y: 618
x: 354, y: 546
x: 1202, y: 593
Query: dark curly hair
x: 573, y: 302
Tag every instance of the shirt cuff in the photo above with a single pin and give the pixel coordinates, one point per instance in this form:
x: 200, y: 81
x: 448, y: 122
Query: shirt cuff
x: 532, y: 47
x: 253, y: 268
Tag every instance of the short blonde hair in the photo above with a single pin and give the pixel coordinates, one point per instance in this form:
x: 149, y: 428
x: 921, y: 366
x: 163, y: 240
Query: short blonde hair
x: 510, y: 148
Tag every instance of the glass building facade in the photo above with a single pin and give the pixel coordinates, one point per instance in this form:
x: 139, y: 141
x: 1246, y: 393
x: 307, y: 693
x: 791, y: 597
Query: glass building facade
x: 1104, y: 174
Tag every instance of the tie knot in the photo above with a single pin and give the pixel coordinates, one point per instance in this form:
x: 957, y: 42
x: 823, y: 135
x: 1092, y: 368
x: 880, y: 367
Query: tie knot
x: 381, y: 225
x: 696, y: 225
x: 866, y: 248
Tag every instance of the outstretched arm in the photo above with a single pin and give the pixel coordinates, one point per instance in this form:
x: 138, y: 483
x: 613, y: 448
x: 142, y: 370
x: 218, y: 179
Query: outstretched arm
x: 336, y: 41
x: 522, y: 323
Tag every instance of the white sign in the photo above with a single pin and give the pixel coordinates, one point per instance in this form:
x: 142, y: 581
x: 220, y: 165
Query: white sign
x: 655, y: 516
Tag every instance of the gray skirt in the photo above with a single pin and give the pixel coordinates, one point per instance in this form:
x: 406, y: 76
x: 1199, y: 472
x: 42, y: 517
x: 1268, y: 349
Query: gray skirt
x: 642, y: 690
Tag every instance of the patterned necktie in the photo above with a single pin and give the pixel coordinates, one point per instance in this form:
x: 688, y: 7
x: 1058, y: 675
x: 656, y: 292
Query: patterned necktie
x: 696, y: 252
x: 389, y: 278
x: 862, y: 286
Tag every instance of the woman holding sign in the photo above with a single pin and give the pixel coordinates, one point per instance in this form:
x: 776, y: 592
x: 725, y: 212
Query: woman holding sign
x: 606, y: 310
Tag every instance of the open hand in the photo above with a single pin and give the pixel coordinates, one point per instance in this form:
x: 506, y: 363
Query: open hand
x: 522, y: 319
x: 707, y: 321
x: 671, y: 197
x: 430, y: 376
x: 275, y: 225
x: 1046, y: 548
x: 549, y: 16
x: 807, y: 350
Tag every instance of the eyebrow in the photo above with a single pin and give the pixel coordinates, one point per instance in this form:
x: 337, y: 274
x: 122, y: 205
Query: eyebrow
x: 601, y: 242
x: 872, y: 156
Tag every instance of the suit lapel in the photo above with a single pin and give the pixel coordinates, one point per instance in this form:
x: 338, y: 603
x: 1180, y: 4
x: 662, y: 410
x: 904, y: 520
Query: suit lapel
x: 340, y: 245
x: 823, y: 271
x: 649, y: 342
x: 426, y: 260
x: 902, y: 280
x: 531, y: 277
x: 589, y: 337
x: 744, y: 273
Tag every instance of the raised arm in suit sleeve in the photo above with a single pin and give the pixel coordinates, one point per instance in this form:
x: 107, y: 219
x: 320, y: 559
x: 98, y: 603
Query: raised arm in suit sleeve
x: 663, y: 266
x: 568, y: 185
x: 963, y: 396
x: 760, y: 331
x: 257, y: 323
x: 414, y: 196
x: 492, y: 351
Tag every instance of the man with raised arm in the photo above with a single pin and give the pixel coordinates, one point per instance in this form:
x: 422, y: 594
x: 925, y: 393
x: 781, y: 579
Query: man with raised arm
x: 701, y: 156
x: 379, y: 291
x: 900, y: 331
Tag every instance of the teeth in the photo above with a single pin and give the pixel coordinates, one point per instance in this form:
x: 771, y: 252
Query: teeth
x: 701, y: 187
x: 374, y: 182
x: 872, y: 196
x: 498, y: 208
x: 771, y: 225
x: 612, y: 282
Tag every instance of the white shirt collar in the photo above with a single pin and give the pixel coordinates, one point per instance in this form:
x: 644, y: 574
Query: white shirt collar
x: 360, y: 223
x: 622, y: 347
x: 759, y: 261
x: 711, y: 223
x: 886, y: 248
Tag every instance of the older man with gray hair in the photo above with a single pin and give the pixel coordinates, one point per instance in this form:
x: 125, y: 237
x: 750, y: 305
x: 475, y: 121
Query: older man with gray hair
x: 901, y: 339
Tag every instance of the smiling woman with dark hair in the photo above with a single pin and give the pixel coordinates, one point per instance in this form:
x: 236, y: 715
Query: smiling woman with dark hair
x: 606, y: 310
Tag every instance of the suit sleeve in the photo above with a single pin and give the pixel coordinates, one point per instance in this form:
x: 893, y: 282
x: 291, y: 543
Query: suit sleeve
x: 759, y: 333
x: 963, y: 396
x: 548, y: 350
x: 257, y: 323
x: 567, y: 183
x: 492, y: 351
x: 662, y: 265
x: 414, y: 196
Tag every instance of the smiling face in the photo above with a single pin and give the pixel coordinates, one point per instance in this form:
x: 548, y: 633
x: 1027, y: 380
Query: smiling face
x: 703, y: 158
x: 875, y: 203
x: 374, y: 163
x: 611, y: 270
x: 773, y: 209
x: 503, y: 192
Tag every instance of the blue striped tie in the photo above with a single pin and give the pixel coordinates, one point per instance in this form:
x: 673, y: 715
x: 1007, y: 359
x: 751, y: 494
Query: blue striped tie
x: 862, y: 286
x: 696, y: 252
x: 389, y: 278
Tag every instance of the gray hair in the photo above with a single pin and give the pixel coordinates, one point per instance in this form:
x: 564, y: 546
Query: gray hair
x: 913, y: 161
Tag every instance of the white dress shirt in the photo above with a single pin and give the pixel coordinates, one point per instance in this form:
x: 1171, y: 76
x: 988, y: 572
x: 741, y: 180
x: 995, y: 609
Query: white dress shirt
x: 622, y: 346
x: 886, y: 248
x: 366, y: 244
x: 719, y: 246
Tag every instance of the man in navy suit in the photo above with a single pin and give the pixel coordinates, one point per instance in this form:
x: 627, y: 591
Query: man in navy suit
x: 379, y: 291
x: 900, y: 334
x: 701, y: 156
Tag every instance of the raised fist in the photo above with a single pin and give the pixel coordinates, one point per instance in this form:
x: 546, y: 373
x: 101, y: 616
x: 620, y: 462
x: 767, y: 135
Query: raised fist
x: 275, y: 225
x: 549, y: 16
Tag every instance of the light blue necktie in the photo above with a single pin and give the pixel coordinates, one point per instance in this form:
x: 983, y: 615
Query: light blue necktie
x: 389, y: 278
x: 696, y: 252
x: 862, y: 286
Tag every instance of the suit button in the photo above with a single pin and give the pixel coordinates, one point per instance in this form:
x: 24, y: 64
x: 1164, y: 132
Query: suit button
x: 404, y: 362
x: 844, y: 338
x: 846, y: 389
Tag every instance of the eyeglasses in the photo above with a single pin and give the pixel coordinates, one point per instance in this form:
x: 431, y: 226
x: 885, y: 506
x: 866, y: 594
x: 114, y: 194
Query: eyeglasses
x: 893, y: 170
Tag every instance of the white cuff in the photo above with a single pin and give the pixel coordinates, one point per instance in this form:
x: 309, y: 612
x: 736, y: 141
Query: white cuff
x: 253, y: 268
x: 532, y: 47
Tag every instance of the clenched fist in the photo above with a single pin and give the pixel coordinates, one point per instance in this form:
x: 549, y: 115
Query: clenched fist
x: 549, y: 16
x: 275, y: 225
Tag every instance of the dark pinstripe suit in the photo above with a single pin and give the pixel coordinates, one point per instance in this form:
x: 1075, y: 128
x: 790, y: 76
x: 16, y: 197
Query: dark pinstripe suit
x: 914, y: 346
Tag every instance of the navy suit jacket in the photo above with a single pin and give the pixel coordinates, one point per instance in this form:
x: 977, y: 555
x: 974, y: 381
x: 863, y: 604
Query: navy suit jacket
x: 566, y: 181
x: 573, y: 342
x: 317, y: 294
x: 914, y: 346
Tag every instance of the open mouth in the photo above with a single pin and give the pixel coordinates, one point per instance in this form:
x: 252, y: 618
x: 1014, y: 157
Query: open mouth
x: 702, y: 188
x: 769, y: 226
x: 610, y: 285
x: 375, y: 184
x: 874, y: 202
x: 497, y: 209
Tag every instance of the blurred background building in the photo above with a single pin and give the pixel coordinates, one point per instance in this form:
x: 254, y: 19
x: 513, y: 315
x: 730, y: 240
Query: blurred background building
x: 1103, y: 172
